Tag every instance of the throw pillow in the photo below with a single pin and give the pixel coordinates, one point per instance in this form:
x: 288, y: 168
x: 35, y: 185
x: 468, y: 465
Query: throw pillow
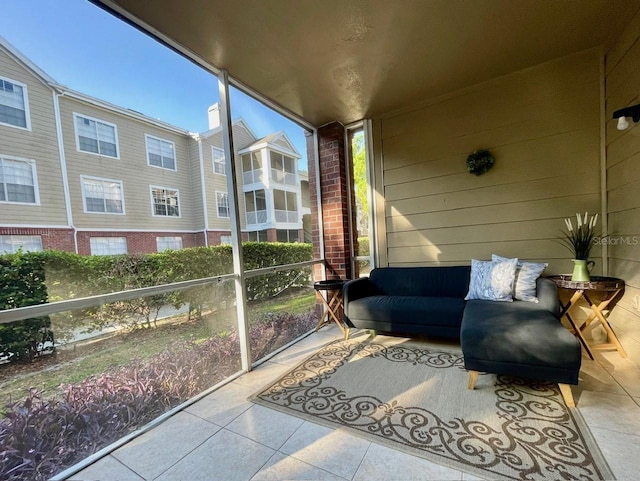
x: 492, y: 281
x: 527, y: 274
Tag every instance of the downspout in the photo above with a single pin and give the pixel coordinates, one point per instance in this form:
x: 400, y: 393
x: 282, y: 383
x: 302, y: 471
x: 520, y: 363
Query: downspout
x: 203, y: 186
x: 63, y: 167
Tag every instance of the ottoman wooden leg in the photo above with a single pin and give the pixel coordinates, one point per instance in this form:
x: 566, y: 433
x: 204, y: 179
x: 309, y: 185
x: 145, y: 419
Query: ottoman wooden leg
x: 567, y: 395
x: 473, y: 377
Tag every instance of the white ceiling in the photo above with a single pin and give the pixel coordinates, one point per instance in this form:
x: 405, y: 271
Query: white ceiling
x: 345, y: 60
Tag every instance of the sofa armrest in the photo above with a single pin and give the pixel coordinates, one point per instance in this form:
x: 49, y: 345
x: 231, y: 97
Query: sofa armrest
x: 547, y: 293
x: 356, y: 289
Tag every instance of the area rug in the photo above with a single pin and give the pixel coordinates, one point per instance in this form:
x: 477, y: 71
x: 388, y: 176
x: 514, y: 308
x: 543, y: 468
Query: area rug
x: 414, y: 398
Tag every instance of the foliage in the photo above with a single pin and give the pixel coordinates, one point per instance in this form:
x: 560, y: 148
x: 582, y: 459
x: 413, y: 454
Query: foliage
x: 22, y: 284
x: 39, y: 436
x: 580, y: 240
x: 479, y: 162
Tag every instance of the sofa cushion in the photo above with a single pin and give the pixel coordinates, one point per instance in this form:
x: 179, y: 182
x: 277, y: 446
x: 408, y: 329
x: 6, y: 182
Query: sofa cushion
x: 452, y: 281
x: 517, y: 333
x: 492, y: 280
x: 527, y: 274
x: 434, y: 311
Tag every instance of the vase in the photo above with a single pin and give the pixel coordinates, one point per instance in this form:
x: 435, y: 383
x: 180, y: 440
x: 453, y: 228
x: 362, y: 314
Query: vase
x: 581, y: 269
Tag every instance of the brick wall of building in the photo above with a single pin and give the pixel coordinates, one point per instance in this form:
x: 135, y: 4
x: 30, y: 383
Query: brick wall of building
x: 54, y: 239
x: 138, y: 242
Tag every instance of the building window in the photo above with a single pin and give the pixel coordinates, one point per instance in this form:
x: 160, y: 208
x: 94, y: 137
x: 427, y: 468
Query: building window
x: 168, y: 243
x: 256, y: 207
x: 258, y: 236
x: 222, y: 202
x: 165, y: 201
x: 108, y: 246
x: 218, y: 160
x: 161, y: 153
x: 18, y: 181
x: 251, y: 168
x: 102, y: 195
x: 10, y: 244
x: 225, y: 239
x: 286, y: 206
x: 96, y: 136
x: 14, y: 104
x: 288, y: 235
x: 283, y: 168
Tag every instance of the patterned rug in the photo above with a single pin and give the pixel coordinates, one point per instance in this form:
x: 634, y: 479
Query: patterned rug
x: 415, y: 399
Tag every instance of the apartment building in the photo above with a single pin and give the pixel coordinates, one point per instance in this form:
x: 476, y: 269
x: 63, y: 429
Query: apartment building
x: 82, y: 175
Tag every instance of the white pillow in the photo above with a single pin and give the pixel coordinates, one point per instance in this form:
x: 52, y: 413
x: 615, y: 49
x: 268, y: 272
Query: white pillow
x: 492, y: 280
x: 527, y: 274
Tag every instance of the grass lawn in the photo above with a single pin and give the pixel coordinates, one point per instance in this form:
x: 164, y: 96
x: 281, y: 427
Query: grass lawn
x: 95, y: 356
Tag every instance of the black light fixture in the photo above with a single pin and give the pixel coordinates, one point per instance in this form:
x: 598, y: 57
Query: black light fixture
x: 622, y: 114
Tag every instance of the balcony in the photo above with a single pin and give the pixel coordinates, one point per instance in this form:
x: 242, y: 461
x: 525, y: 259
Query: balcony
x: 284, y: 178
x: 252, y: 176
x: 257, y: 217
x: 287, y: 216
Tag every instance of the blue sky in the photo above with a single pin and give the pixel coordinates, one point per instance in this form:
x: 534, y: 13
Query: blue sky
x: 90, y: 51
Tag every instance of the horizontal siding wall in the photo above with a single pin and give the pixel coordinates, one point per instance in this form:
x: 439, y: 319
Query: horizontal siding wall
x: 542, y: 126
x: 623, y: 183
x: 40, y: 144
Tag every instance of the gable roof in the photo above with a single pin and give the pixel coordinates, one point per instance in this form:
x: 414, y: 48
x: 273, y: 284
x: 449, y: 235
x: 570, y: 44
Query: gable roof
x: 276, y: 141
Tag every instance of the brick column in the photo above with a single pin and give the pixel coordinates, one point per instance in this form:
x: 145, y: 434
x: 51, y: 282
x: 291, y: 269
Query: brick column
x: 334, y: 199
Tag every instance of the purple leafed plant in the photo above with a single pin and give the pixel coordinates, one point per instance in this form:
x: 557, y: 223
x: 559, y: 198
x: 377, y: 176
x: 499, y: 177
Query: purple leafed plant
x: 40, y: 437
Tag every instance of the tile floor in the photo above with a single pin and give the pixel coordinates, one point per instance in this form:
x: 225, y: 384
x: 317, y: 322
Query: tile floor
x: 225, y: 437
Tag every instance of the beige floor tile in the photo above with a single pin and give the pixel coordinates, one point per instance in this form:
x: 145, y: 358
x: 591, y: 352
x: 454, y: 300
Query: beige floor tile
x: 225, y: 456
x: 302, y: 350
x: 281, y: 467
x: 106, y: 469
x: 224, y: 405
x: 155, y: 451
x: 610, y: 411
x: 594, y: 377
x: 386, y: 464
x: 328, y: 449
x: 266, y: 426
x: 262, y: 375
x: 621, y: 451
x: 629, y: 380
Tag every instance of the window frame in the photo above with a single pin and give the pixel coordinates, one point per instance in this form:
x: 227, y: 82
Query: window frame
x: 126, y: 245
x: 77, y: 115
x: 25, y: 101
x: 174, y: 238
x: 20, y: 235
x: 102, y: 179
x: 153, y: 205
x: 160, y: 139
x: 213, y: 160
x: 228, y: 216
x: 34, y: 174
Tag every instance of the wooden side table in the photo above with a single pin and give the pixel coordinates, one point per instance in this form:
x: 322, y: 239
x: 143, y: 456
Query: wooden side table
x: 611, y: 287
x: 333, y: 303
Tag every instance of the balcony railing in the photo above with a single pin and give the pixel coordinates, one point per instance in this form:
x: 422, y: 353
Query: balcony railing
x: 285, y: 178
x: 252, y: 176
x: 289, y: 216
x: 257, y: 217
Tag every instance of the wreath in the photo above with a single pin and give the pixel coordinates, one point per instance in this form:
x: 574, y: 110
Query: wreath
x: 479, y: 162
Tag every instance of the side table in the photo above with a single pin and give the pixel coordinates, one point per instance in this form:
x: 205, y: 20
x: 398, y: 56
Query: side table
x: 333, y: 303
x: 611, y: 287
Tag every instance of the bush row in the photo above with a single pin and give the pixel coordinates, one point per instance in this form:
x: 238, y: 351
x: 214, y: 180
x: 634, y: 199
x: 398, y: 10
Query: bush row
x: 37, y: 277
x: 40, y: 437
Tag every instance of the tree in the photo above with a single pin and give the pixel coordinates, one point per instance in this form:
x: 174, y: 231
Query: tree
x: 360, y: 183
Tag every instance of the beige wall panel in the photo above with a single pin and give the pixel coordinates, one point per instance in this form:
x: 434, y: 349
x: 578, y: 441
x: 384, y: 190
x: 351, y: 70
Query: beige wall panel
x: 39, y: 144
x: 579, y: 183
x: 131, y: 169
x: 625, y: 197
x: 623, y: 184
x: 196, y: 184
x: 624, y: 172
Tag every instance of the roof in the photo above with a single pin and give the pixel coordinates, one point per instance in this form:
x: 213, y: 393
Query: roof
x: 348, y: 60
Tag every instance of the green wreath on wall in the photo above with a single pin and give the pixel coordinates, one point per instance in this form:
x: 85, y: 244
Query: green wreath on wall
x: 480, y: 162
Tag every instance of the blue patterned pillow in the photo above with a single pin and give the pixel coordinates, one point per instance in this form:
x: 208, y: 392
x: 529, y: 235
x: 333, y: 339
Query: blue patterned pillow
x: 527, y: 274
x: 492, y: 281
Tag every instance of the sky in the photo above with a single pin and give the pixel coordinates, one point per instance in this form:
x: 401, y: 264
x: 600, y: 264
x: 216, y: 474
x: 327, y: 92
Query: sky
x: 89, y: 50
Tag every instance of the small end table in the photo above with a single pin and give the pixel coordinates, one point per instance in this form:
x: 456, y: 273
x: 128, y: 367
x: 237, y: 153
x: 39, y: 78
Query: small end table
x: 333, y: 303
x: 611, y: 287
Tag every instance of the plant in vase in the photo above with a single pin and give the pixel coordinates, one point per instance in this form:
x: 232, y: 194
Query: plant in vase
x: 579, y: 241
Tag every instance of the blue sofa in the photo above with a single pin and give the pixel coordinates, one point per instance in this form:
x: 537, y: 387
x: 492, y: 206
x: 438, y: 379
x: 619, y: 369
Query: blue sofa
x: 518, y: 338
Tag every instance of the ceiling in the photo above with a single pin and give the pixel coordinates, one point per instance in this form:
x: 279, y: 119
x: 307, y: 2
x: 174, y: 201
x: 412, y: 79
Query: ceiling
x: 346, y: 60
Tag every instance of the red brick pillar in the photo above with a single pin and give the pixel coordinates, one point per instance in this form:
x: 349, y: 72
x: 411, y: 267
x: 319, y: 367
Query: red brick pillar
x: 334, y: 199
